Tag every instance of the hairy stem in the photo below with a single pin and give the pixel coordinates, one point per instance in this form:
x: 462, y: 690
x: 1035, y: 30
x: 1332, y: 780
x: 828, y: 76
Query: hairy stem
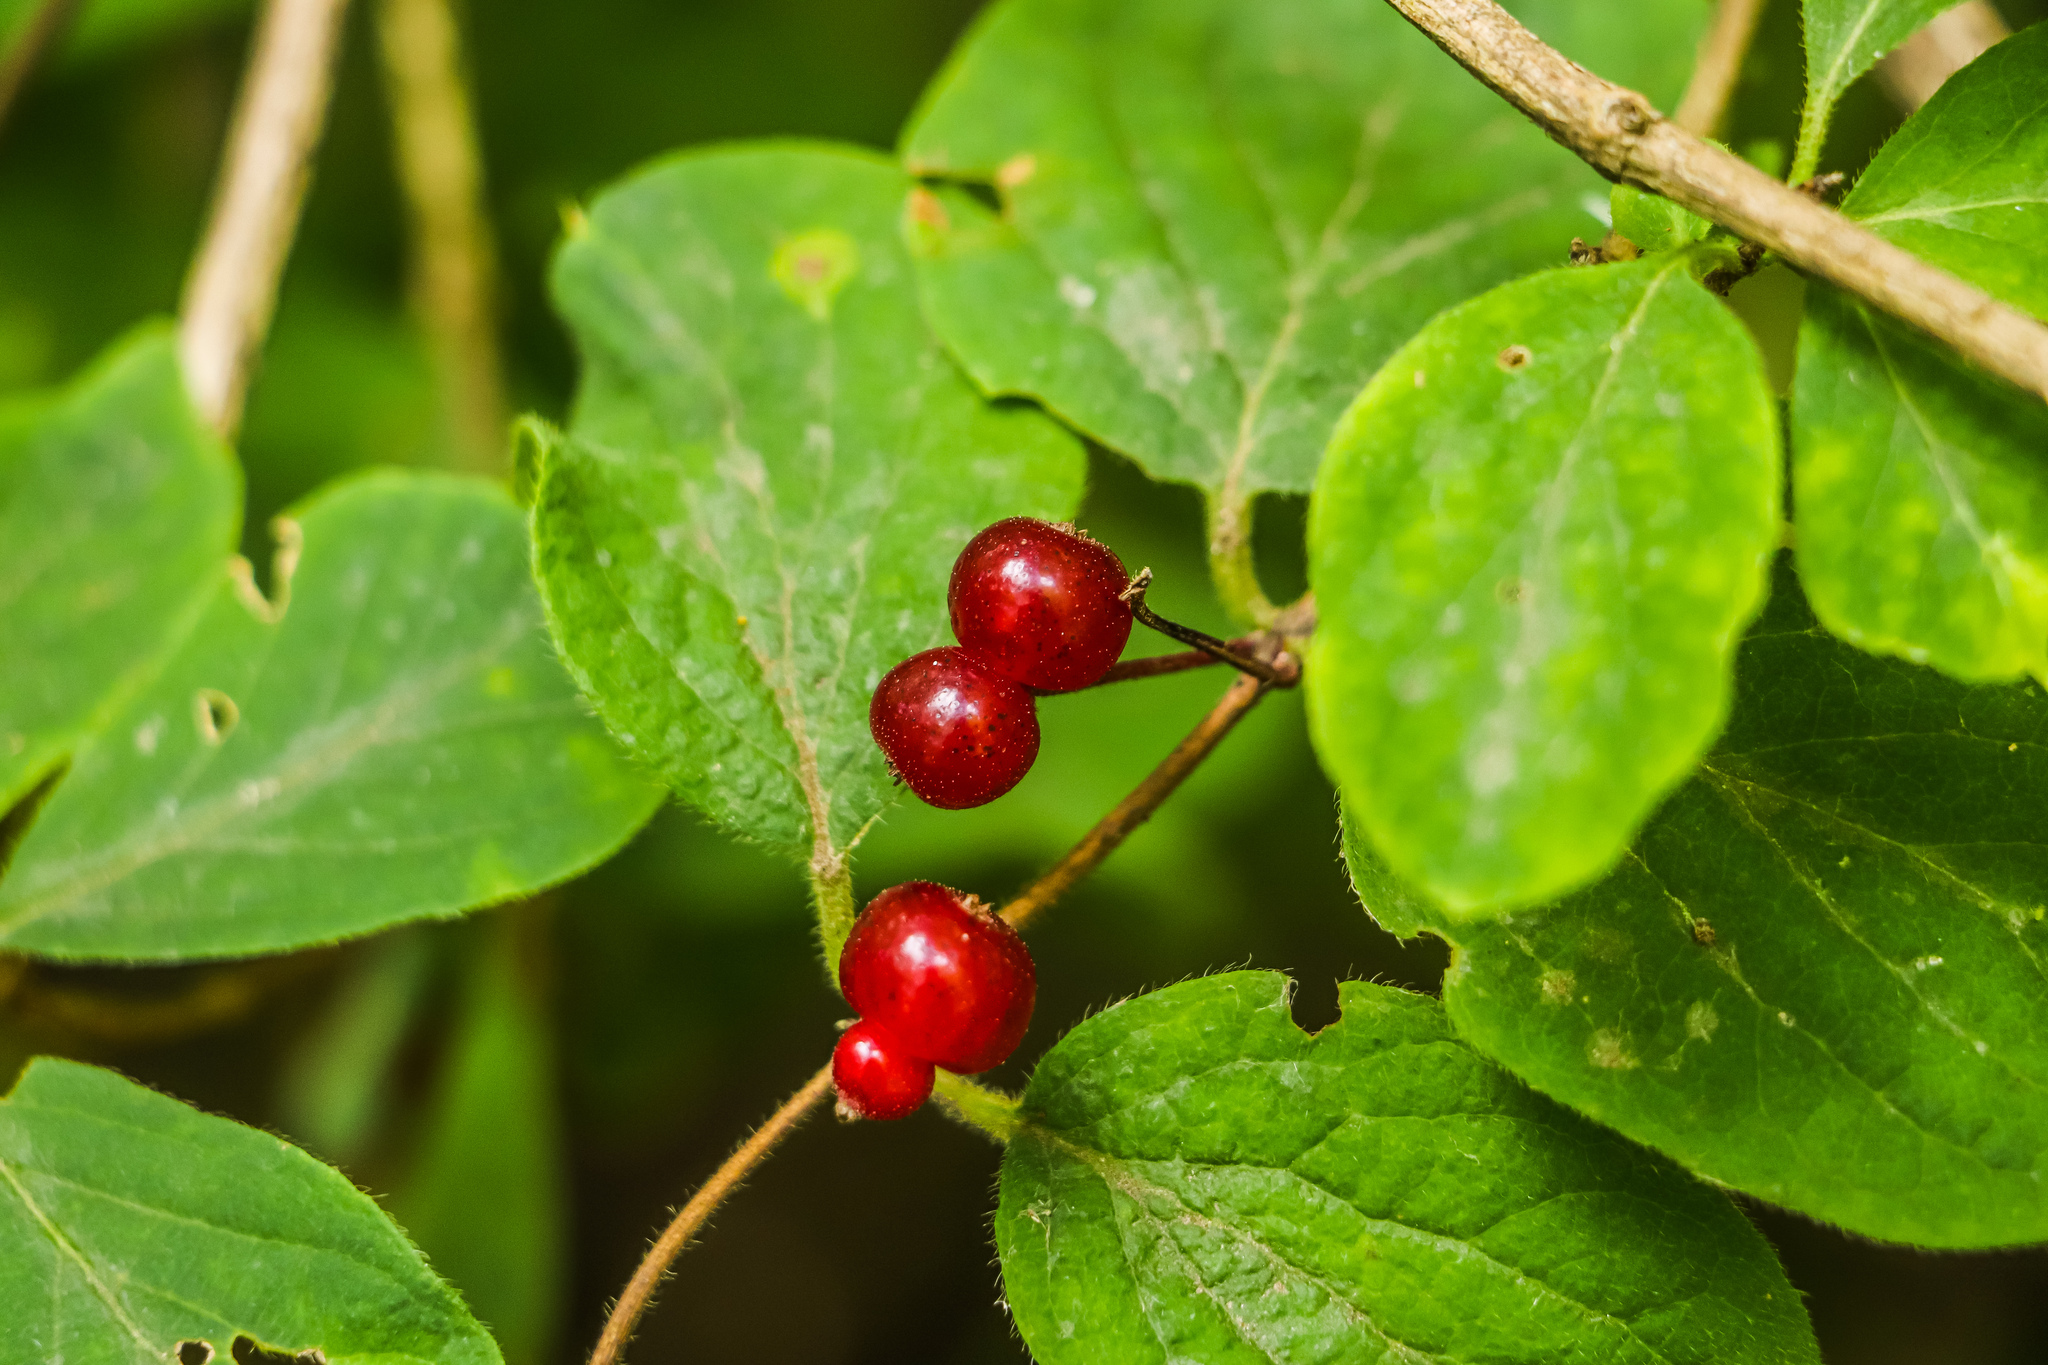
x: 232, y: 290
x: 453, y: 256
x: 1230, y: 559
x: 1719, y: 64
x: 993, y: 1112
x: 832, y: 901
x: 38, y: 37
x: 1135, y: 809
x: 1617, y: 132
x: 639, y: 1290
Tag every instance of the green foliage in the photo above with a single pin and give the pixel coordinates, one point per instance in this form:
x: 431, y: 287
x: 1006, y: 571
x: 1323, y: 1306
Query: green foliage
x: 1195, y: 1179
x: 1843, y: 39
x: 770, y: 471
x: 1219, y: 218
x: 1653, y: 222
x: 132, y: 1223
x: 117, y: 509
x: 1538, y: 534
x: 485, y: 1198
x: 1817, y: 976
x: 1920, y: 490
x: 398, y: 743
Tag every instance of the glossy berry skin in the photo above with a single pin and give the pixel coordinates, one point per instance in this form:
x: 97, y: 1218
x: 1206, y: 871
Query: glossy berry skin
x: 1039, y: 603
x: 876, y: 1078
x: 945, y: 975
x: 957, y: 734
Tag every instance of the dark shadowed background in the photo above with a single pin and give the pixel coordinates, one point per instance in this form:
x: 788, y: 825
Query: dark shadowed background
x: 532, y: 1090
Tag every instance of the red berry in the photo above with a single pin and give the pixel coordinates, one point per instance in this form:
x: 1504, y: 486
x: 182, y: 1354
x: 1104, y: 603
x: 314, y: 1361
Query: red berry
x: 947, y: 976
x: 1040, y: 603
x: 876, y: 1077
x: 958, y: 734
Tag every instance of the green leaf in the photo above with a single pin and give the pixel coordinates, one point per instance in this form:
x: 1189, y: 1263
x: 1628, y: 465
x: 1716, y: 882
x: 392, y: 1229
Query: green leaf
x: 770, y: 471
x: 1653, y: 222
x: 1219, y: 218
x: 1196, y: 1180
x: 1921, y: 495
x: 399, y: 744
x: 117, y: 509
x: 485, y: 1197
x: 130, y: 1223
x: 1538, y: 535
x: 1843, y: 39
x: 1818, y: 975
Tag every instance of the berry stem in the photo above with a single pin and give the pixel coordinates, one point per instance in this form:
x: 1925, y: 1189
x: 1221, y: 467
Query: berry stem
x: 1259, y: 668
x: 1157, y: 665
x: 993, y: 1112
x: 639, y: 1290
x: 1135, y: 809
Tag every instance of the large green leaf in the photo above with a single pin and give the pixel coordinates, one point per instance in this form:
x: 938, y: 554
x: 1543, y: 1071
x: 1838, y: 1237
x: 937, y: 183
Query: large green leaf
x: 1920, y: 483
x: 117, y: 510
x: 771, y: 469
x: 1218, y: 218
x: 130, y: 1223
x: 1536, y: 540
x: 399, y: 744
x: 1818, y: 975
x: 1843, y: 39
x: 1197, y: 1180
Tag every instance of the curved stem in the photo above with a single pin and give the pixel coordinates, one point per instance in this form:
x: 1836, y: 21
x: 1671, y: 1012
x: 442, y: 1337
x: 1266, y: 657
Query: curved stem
x: 38, y: 36
x: 1230, y: 559
x: 1617, y: 132
x: 233, y: 286
x: 453, y: 257
x: 993, y: 1112
x: 1135, y: 809
x: 1207, y: 644
x: 1719, y: 65
x: 639, y: 1290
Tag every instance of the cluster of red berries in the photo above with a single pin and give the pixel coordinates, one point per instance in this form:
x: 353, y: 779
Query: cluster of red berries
x: 938, y: 980
x: 1037, y: 607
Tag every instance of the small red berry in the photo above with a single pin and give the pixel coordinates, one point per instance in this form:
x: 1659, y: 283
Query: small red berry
x: 876, y: 1077
x: 1040, y: 603
x: 958, y: 734
x: 948, y: 977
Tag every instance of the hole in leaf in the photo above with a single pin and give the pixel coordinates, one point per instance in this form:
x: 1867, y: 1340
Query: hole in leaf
x: 1513, y: 358
x: 194, y: 1352
x: 215, y: 713
x: 249, y: 1351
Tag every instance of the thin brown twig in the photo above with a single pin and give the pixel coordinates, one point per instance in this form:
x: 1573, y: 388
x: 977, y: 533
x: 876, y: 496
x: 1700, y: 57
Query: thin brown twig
x: 38, y: 38
x: 1714, y: 73
x: 1207, y: 644
x: 1618, y: 133
x: 454, y: 259
x: 1135, y: 809
x: 639, y: 1290
x: 232, y: 290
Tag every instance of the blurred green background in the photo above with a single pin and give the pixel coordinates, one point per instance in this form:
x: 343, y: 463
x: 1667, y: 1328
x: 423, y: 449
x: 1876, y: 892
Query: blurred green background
x: 533, y: 1089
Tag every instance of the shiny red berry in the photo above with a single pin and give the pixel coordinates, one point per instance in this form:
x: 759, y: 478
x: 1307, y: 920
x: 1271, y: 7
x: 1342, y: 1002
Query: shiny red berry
x: 944, y: 974
x: 1040, y: 603
x: 956, y: 733
x: 876, y: 1076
